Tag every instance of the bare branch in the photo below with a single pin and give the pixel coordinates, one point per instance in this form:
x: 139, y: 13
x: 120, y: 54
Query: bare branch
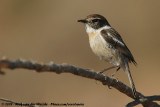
x: 64, y: 68
x: 144, y: 99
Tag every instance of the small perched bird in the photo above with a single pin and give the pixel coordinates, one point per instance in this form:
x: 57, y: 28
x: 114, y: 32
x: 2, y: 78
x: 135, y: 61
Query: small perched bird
x: 108, y: 45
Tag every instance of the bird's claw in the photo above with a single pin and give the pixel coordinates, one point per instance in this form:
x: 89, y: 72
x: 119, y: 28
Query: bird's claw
x: 109, y: 87
x: 114, y: 77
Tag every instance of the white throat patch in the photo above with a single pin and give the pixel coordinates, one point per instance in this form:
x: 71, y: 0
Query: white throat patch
x: 92, y: 30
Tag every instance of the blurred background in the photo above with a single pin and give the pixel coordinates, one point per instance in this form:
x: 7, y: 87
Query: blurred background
x: 47, y: 30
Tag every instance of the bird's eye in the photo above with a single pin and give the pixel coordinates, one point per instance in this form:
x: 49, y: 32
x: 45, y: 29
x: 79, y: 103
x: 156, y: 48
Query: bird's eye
x: 95, y: 20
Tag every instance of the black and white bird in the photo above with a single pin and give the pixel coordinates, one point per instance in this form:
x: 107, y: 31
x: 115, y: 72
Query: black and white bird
x: 108, y: 45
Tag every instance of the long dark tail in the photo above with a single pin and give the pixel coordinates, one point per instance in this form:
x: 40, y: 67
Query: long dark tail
x: 127, y: 71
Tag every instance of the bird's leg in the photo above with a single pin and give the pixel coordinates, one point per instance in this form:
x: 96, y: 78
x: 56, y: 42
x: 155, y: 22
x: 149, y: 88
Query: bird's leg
x: 107, y: 69
x: 116, y: 71
x: 112, y: 74
x: 109, y: 86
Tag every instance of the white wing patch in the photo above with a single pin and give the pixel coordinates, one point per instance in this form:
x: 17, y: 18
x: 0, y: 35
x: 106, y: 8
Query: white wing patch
x: 116, y: 40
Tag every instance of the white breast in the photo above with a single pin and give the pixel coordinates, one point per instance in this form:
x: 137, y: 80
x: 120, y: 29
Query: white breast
x: 101, y: 48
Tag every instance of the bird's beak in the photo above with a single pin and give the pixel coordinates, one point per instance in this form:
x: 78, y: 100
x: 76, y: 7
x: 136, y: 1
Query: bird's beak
x: 82, y: 21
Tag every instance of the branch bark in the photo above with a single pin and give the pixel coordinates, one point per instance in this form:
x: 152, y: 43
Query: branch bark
x: 144, y: 99
x: 65, y: 68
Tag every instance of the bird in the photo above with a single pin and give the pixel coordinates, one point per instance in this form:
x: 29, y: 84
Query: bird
x: 108, y: 45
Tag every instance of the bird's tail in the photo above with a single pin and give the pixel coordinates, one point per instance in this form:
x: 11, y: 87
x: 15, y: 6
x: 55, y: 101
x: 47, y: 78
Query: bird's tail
x: 127, y: 71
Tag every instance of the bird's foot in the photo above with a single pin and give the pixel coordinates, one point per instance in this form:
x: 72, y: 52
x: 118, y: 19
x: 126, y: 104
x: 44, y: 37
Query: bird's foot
x: 113, y: 76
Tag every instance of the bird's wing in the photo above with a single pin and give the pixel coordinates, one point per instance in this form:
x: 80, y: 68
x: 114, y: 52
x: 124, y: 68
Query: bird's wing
x: 113, y: 38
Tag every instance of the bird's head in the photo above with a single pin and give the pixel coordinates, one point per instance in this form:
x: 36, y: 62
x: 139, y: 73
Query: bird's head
x: 95, y: 21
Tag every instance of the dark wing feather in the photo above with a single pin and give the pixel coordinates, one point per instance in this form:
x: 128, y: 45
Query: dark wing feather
x: 113, y: 38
